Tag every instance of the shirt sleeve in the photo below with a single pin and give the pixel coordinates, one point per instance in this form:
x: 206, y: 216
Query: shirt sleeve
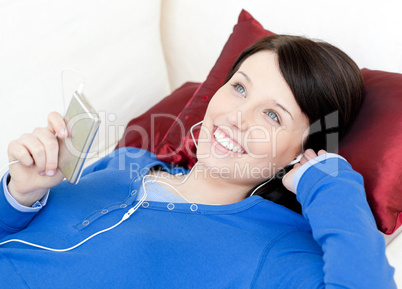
x: 334, y: 202
x: 317, y: 162
x: 34, y: 208
x: 12, y: 219
x: 344, y: 248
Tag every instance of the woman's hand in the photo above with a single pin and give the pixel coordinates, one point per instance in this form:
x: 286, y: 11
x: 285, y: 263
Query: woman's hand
x: 37, y: 153
x: 287, y: 180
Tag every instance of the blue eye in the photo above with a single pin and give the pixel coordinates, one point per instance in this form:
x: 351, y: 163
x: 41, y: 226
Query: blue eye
x: 273, y: 115
x: 239, y: 88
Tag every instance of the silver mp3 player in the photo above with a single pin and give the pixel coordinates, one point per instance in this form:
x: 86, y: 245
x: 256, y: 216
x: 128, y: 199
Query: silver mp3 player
x: 82, y: 123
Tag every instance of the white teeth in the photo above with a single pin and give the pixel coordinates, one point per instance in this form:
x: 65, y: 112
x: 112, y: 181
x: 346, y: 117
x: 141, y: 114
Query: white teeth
x: 218, y: 134
x: 226, y: 142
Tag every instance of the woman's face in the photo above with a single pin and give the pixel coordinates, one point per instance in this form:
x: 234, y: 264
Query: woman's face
x: 253, y: 126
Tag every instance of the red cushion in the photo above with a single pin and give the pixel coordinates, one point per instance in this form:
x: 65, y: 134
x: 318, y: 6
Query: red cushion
x: 150, y: 128
x: 372, y: 146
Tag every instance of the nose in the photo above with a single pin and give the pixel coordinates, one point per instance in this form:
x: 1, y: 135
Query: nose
x: 239, y: 118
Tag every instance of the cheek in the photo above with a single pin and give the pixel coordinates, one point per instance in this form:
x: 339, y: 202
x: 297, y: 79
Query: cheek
x: 266, y: 137
x: 215, y: 106
x: 221, y: 103
x: 279, y: 146
x: 288, y: 147
x: 258, y: 141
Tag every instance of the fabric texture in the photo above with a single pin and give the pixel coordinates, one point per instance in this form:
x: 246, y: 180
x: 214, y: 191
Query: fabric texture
x: 372, y: 146
x: 166, y: 245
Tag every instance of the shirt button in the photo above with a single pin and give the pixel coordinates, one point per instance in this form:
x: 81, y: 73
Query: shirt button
x: 193, y: 207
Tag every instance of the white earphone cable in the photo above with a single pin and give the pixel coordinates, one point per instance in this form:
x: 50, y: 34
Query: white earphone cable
x: 125, y: 217
x: 127, y: 214
x: 7, y: 165
x: 80, y: 88
x: 192, y: 135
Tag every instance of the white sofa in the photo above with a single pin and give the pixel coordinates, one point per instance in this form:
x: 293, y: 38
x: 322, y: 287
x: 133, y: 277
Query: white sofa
x: 133, y: 53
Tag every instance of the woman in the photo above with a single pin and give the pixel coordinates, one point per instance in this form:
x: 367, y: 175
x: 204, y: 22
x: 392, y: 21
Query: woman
x: 208, y: 228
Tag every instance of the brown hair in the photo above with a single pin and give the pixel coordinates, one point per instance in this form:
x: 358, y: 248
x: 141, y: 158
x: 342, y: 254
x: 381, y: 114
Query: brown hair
x: 328, y: 87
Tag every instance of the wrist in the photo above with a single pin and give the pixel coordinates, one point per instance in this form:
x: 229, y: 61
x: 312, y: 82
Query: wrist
x: 321, y: 164
x: 26, y: 199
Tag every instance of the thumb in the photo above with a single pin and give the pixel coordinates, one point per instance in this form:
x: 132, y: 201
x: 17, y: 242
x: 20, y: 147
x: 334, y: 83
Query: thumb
x: 56, y: 125
x: 287, y: 180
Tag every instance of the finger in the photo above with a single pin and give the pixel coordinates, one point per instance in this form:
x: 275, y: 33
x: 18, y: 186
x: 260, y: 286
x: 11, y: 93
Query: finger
x: 322, y: 152
x: 57, y: 125
x: 292, y: 171
x: 17, y: 151
x: 310, y: 154
x: 296, y: 166
x: 303, y: 160
x: 51, y: 147
x: 35, y: 149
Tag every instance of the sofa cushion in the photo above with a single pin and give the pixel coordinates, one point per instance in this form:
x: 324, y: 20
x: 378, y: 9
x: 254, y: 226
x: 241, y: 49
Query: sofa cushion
x: 115, y: 45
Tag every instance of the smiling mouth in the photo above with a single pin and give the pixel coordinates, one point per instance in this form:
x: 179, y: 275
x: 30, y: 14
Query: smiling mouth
x: 224, y: 140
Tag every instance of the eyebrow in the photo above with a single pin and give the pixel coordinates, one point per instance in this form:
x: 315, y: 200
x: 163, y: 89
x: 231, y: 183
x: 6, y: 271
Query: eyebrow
x: 281, y: 106
x: 276, y: 103
x: 246, y: 76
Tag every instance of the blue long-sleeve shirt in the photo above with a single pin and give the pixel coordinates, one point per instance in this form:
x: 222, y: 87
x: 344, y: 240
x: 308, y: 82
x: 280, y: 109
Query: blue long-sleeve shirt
x: 254, y: 243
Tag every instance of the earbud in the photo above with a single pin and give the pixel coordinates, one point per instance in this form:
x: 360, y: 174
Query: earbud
x: 296, y: 160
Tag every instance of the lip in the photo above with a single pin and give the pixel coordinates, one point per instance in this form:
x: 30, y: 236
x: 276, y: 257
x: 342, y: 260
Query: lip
x: 221, y: 148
